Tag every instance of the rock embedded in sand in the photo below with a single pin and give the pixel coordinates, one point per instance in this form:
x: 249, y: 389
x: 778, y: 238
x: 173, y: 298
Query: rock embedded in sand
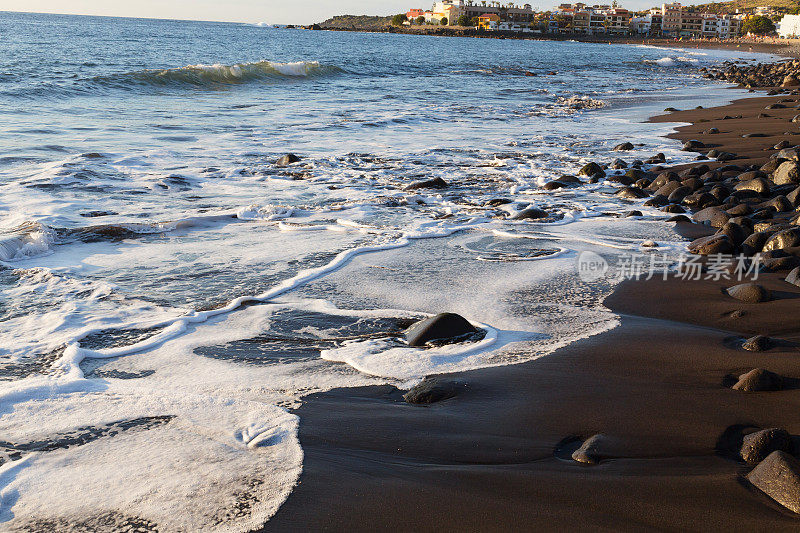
x: 759, y: 380
x: 624, y: 147
x: 750, y: 293
x: 286, y: 160
x: 631, y: 193
x: 711, y: 216
x: 432, y: 390
x: 442, y: 327
x: 758, y: 185
x: 790, y: 81
x: 759, y: 343
x: 435, y: 183
x: 590, y: 451
x: 778, y: 476
x: 759, y: 445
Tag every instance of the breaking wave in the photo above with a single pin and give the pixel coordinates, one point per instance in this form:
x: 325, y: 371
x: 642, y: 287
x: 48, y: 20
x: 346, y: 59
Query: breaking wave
x: 211, y: 76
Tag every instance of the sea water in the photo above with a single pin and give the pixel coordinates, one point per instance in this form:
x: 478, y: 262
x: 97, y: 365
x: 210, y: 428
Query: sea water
x: 168, y: 293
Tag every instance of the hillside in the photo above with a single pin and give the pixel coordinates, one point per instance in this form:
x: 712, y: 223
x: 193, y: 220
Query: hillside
x: 727, y: 7
x: 356, y: 22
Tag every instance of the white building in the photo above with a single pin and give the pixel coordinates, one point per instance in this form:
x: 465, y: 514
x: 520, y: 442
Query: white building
x: 789, y: 26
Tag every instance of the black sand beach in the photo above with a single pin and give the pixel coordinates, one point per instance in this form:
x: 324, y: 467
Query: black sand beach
x: 657, y: 388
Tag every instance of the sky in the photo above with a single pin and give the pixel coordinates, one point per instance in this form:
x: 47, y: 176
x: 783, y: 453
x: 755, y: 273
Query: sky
x: 269, y: 11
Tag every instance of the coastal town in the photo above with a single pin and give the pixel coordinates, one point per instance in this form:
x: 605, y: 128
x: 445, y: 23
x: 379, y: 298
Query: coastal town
x: 670, y: 20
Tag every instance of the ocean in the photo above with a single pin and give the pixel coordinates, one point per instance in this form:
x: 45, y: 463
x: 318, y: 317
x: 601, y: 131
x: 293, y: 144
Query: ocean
x: 168, y: 293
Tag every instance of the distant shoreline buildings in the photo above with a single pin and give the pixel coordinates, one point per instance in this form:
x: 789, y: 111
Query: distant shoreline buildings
x: 671, y: 20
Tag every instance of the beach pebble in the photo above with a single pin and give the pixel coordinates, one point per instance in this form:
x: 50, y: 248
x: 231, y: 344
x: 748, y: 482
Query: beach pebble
x: 624, y: 147
x: 759, y: 380
x: 759, y: 343
x: 435, y: 183
x: 286, y: 160
x: 432, y: 390
x: 758, y: 445
x: 444, y: 326
x: 794, y: 277
x: 633, y: 213
x: 590, y: 451
x: 649, y: 244
x: 778, y: 476
x: 749, y: 293
x: 711, y: 131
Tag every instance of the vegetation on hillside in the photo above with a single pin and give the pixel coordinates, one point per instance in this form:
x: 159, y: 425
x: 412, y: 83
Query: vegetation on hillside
x: 789, y: 6
x: 359, y: 22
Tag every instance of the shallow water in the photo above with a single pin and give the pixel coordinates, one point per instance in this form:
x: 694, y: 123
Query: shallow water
x: 169, y: 292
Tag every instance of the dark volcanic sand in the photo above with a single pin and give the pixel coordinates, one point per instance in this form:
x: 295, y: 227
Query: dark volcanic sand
x: 484, y: 460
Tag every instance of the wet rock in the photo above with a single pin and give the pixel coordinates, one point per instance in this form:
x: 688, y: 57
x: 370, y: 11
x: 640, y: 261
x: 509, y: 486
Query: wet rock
x: 286, y: 160
x: 778, y: 476
x: 435, y: 183
x: 759, y: 343
x: 790, y: 81
x: 668, y: 188
x: 780, y: 204
x: 494, y: 202
x: 618, y: 164
x: 711, y: 131
x: 631, y: 193
x: 624, y: 147
x: 569, y: 180
x: 693, y: 146
x: 633, y: 213
x: 770, y: 166
x: 590, y: 451
x: 759, y: 380
x: 592, y: 169
x: 713, y: 244
x: 531, y: 213
x: 674, y: 208
x: 432, y: 390
x: 781, y: 145
x: 758, y: 445
x: 739, y: 210
x: 679, y: 194
x: 790, y: 154
x: 736, y: 233
x: 553, y: 185
x: 794, y: 197
x: 442, y: 327
x: 794, y: 277
x: 787, y: 172
x: 783, y: 239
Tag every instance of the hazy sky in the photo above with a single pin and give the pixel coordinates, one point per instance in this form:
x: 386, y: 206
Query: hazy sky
x: 270, y: 11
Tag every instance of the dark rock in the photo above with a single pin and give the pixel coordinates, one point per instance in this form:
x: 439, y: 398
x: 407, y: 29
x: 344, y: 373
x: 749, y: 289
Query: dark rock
x: 713, y: 244
x: 530, y: 213
x: 783, y: 239
x: 679, y: 218
x: 759, y: 380
x: 590, y: 451
x: 711, y: 131
x: 634, y: 213
x: 592, y: 169
x: 624, y: 147
x: 442, y: 327
x: 432, y: 390
x: 755, y: 242
x: 758, y: 445
x: 498, y: 201
x: 693, y: 146
x: 435, y: 183
x: 778, y: 476
x: 758, y: 185
x: 553, y: 185
x: 794, y: 277
x: 631, y: 192
x: 674, y: 208
x: 286, y: 160
x: 759, y: 343
x: 787, y: 172
x: 712, y: 216
x: 736, y: 233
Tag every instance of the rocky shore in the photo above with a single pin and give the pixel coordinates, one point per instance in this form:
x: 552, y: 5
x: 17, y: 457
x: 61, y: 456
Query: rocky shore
x: 685, y: 417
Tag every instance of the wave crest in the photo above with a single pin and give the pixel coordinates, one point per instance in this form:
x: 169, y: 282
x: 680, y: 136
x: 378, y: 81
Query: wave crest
x: 220, y: 75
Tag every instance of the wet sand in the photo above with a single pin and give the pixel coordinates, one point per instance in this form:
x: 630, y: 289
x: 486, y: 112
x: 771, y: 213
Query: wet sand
x: 486, y: 460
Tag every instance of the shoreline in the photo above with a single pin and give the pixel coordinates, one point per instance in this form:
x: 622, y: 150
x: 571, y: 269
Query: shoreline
x: 487, y: 459
x: 782, y: 47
